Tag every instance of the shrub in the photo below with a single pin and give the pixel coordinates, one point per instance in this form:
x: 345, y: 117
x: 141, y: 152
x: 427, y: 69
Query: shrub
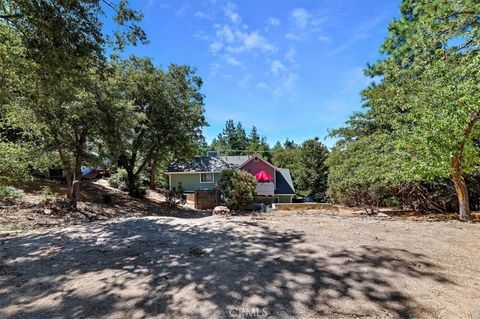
x: 10, y: 191
x: 238, y: 188
x: 176, y: 193
x: 119, y: 180
x: 47, y: 193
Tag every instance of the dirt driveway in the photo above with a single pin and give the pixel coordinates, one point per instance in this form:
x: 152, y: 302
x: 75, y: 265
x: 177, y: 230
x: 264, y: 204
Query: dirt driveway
x: 284, y: 265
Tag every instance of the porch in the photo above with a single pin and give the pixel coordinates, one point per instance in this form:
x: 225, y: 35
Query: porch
x: 265, y: 189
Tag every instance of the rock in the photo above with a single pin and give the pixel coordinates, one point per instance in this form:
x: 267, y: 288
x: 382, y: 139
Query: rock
x: 197, y: 251
x: 383, y: 216
x: 221, y: 210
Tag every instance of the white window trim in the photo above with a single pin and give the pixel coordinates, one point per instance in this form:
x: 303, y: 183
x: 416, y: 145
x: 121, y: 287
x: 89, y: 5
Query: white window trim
x: 213, y: 178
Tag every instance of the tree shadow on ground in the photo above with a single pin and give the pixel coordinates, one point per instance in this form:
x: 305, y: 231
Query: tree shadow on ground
x: 143, y: 268
x: 93, y: 194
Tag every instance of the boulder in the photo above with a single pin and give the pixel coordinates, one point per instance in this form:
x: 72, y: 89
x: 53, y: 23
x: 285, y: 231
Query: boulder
x: 221, y: 210
x: 383, y: 216
x: 197, y: 251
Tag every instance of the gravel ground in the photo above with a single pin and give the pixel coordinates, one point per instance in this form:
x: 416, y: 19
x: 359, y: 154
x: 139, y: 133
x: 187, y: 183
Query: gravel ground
x: 280, y: 265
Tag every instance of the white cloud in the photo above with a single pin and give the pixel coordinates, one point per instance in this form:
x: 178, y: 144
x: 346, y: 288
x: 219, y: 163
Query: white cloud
x: 215, y: 47
x: 290, y: 55
x: 214, y: 68
x: 232, y: 61
x: 262, y: 85
x: 255, y: 41
x: 293, y: 36
x: 272, y: 22
x: 232, y: 14
x: 287, y: 85
x: 236, y: 41
x: 203, y: 15
x: 324, y: 39
x: 276, y: 67
x: 243, y: 83
x: 301, y: 17
x: 225, y: 33
x: 359, y: 33
x: 201, y: 35
x: 234, y: 37
x: 183, y: 10
x: 305, y: 26
x: 290, y: 80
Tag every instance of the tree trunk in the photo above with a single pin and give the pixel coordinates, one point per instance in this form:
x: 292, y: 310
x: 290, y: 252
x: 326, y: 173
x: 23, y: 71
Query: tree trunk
x: 68, y: 181
x: 128, y: 163
x: 77, y: 176
x: 75, y: 191
x: 77, y: 173
x: 65, y: 167
x: 132, y: 182
x: 457, y: 166
x: 153, y: 173
x: 462, y: 195
x: 460, y: 188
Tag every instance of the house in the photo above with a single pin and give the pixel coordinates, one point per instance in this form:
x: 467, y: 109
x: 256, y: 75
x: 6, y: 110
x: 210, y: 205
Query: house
x: 203, y: 173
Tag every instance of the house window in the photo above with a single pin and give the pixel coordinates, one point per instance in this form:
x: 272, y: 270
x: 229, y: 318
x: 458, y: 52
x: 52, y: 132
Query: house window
x: 206, y: 177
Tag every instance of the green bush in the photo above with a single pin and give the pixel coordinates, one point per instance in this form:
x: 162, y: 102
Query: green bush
x: 47, y: 193
x: 175, y: 194
x: 10, y: 191
x: 119, y: 180
x: 238, y: 188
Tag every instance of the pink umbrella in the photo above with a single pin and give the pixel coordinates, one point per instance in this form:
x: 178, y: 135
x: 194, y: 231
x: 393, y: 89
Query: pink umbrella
x: 263, y: 176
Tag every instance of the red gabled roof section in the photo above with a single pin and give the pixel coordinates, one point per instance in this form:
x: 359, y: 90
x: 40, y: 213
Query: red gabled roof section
x: 260, y: 158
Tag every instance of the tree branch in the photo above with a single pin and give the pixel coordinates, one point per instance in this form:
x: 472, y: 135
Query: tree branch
x: 10, y: 16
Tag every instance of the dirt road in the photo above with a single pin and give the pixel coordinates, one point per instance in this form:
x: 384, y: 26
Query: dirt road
x: 283, y: 265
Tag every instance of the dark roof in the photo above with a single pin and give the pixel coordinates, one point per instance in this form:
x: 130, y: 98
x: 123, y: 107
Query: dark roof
x: 219, y: 163
x: 208, y: 164
x: 284, y: 182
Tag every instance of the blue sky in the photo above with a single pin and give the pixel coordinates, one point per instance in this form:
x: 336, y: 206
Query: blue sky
x: 294, y: 69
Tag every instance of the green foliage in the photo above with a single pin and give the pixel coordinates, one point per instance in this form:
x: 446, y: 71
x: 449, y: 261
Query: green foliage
x: 422, y: 116
x: 163, y: 114
x: 313, y: 172
x: 355, y: 174
x: 234, y: 141
x: 17, y: 158
x: 306, y: 163
x: 237, y: 187
x: 119, y: 180
x: 288, y: 156
x: 14, y: 162
x: 47, y: 193
x: 54, y: 56
x: 175, y: 193
x: 10, y: 192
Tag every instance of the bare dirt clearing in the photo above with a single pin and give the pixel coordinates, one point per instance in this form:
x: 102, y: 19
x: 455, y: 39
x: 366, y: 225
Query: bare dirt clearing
x: 308, y: 265
x: 37, y: 210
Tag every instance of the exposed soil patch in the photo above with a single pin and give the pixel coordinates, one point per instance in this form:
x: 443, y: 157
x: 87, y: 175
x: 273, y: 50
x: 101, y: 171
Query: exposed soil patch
x: 285, y: 266
x: 45, y: 206
x: 305, y: 264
